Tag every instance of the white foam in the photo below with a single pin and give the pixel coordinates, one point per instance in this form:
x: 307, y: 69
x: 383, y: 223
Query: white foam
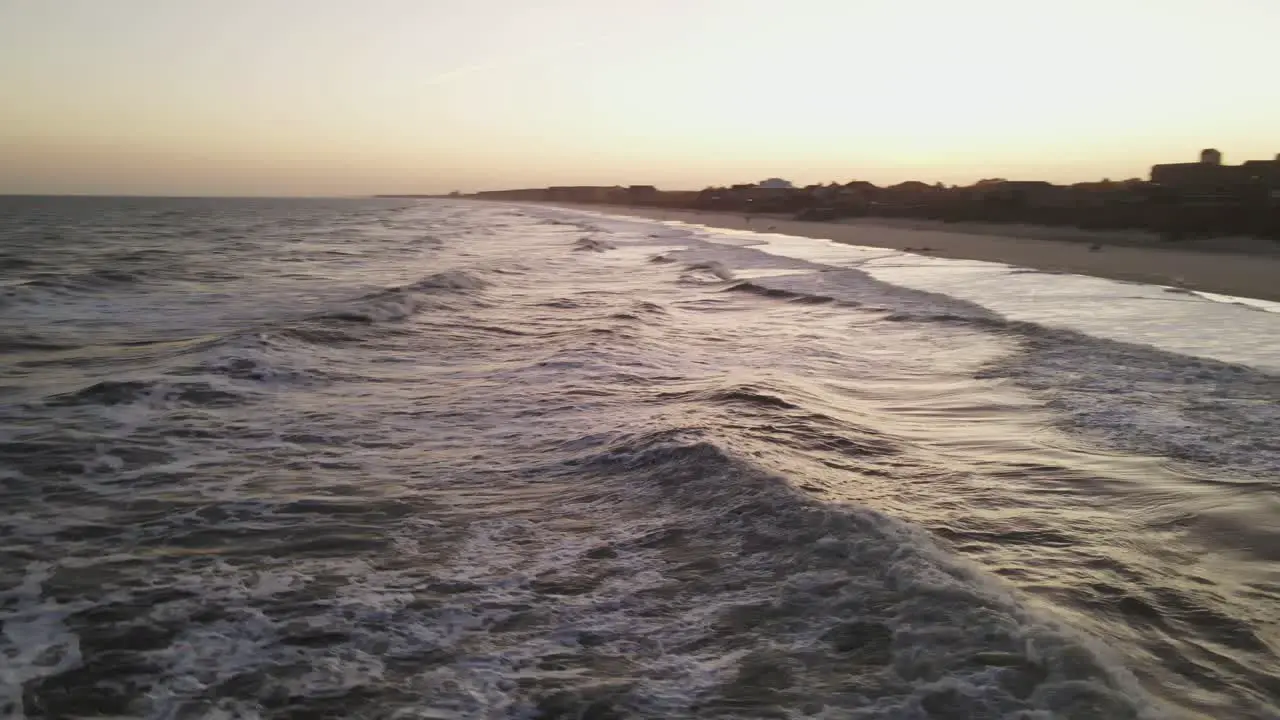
x: 35, y: 643
x: 1201, y: 325
x: 1267, y: 305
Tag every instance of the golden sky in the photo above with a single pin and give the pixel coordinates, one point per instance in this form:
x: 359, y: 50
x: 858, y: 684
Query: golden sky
x: 349, y: 97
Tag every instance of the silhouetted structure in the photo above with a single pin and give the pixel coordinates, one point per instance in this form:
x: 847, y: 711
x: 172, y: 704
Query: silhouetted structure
x: 525, y: 195
x: 1181, y: 200
x: 583, y: 193
x: 776, y: 184
x: 642, y: 194
x: 1210, y: 175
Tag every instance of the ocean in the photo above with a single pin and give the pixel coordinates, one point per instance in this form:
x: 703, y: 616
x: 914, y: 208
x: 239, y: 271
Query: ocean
x: 440, y: 459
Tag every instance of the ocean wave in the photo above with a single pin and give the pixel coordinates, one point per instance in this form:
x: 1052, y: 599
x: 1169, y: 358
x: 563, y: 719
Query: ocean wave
x: 1198, y: 411
x: 90, y: 280
x: 26, y: 342
x: 640, y: 311
x: 400, y: 303
x: 588, y: 244
x: 448, y: 280
x: 15, y: 262
x: 140, y: 256
x: 384, y: 306
x: 154, y: 392
x: 755, y: 288
x: 717, y: 269
x: 805, y: 596
x: 749, y: 395
x: 978, y: 321
x: 520, y: 490
x: 270, y: 359
x: 567, y: 303
x: 1133, y: 397
x: 772, y: 415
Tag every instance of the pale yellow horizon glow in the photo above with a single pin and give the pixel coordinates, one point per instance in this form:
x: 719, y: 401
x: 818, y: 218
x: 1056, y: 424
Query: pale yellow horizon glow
x: 339, y: 97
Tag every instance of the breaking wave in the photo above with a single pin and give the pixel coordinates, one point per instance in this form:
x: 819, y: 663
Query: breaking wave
x: 341, y: 459
x: 588, y: 244
x: 836, y: 596
x: 771, y: 292
x: 399, y: 303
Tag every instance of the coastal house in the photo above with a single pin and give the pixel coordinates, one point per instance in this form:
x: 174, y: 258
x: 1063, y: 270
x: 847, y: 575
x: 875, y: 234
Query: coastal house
x: 773, y: 195
x: 906, y: 195
x: 775, y: 184
x: 1263, y: 172
x: 712, y: 197
x: 582, y: 193
x: 766, y: 191
x: 1209, y: 174
x: 518, y: 195
x: 1108, y: 193
x: 854, y: 196
x: 910, y: 187
x: 642, y: 193
x: 861, y: 187
x: 673, y: 199
x: 734, y: 197
x: 1210, y: 184
x: 1025, y: 193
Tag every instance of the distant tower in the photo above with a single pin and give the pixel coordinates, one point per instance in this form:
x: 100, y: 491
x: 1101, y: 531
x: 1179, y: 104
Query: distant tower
x: 1210, y: 157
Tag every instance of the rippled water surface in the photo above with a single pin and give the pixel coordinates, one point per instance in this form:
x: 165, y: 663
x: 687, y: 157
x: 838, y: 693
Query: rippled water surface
x: 388, y: 459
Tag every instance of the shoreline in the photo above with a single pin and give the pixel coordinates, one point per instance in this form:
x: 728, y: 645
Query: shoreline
x: 1241, y: 267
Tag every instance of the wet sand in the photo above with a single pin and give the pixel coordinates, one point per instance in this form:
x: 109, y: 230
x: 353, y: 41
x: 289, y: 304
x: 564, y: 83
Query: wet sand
x: 1244, y: 267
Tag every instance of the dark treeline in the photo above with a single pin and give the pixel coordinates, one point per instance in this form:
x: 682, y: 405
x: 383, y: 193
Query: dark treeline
x: 1191, y: 200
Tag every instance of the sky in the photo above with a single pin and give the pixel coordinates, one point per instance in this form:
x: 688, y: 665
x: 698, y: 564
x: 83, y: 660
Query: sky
x: 355, y: 97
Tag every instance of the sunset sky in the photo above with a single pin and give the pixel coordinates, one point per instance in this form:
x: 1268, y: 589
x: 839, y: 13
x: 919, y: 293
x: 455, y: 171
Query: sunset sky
x: 343, y: 97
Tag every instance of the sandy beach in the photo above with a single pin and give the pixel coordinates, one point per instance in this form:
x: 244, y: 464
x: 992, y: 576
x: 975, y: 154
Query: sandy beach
x: 1244, y: 267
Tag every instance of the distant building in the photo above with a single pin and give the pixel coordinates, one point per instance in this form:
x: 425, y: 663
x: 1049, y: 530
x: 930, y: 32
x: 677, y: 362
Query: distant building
x: 775, y: 184
x: 1026, y: 193
x: 763, y: 196
x: 1106, y: 193
x: 861, y: 186
x: 521, y: 195
x: 1266, y: 172
x: 906, y: 195
x: 1210, y: 175
x: 581, y: 193
x: 911, y: 187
